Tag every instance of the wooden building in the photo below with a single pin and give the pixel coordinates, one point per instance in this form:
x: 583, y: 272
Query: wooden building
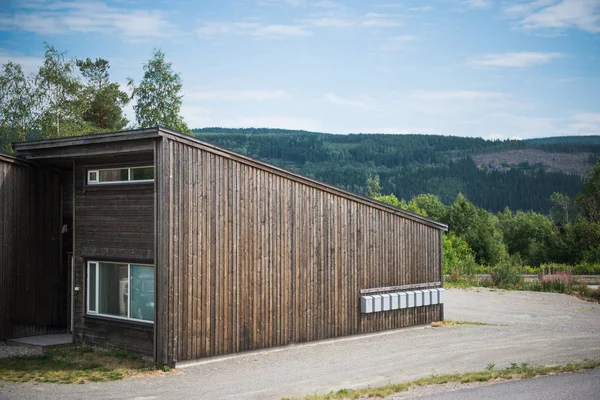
x: 175, y: 248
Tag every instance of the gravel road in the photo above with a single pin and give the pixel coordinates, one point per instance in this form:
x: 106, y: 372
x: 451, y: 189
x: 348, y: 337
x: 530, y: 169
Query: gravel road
x: 537, y: 328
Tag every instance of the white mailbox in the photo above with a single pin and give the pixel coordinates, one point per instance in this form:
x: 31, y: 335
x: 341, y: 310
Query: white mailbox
x: 394, y: 300
x: 426, y: 297
x: 418, y: 298
x: 402, y: 302
x: 434, y: 296
x: 386, y: 303
x: 441, y: 295
x: 377, y: 303
x: 366, y: 304
x: 410, y: 299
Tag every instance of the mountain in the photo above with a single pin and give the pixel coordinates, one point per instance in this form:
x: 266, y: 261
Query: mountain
x: 519, y: 174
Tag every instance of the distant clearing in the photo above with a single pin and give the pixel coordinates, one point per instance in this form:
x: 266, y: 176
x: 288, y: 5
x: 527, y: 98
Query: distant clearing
x: 571, y: 163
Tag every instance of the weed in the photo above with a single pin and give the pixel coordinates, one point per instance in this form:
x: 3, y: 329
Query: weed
x: 72, y: 364
x: 514, y: 371
x: 166, y: 368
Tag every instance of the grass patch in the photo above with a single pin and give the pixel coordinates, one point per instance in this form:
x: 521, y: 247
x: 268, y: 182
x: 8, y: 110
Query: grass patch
x: 450, y: 322
x: 514, y: 371
x: 75, y: 364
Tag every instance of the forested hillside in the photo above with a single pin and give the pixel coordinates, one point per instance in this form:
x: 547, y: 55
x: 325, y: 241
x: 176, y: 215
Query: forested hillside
x: 409, y: 165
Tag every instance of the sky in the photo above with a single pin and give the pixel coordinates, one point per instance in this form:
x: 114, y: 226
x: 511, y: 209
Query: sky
x: 480, y: 68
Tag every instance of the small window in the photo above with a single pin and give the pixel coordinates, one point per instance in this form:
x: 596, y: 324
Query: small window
x: 120, y: 290
x: 121, y: 175
x: 92, y: 176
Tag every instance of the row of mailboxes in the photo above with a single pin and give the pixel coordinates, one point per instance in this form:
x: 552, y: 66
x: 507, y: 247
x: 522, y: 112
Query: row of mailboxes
x: 395, y: 301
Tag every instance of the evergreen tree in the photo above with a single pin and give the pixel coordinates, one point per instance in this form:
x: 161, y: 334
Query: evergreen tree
x: 105, y: 99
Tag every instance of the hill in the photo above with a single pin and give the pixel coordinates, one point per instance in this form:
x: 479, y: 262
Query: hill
x: 409, y: 165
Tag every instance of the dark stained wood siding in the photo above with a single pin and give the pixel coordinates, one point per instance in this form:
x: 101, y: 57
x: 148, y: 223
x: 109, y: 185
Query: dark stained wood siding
x: 33, y: 286
x: 112, y: 222
x: 250, y: 258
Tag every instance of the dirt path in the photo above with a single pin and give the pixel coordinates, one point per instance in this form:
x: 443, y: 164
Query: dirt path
x: 537, y: 328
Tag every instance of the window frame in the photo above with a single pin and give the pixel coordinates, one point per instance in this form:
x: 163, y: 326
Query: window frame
x: 95, y: 313
x: 96, y: 171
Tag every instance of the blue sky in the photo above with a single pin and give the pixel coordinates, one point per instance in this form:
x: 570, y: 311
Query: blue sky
x: 484, y: 68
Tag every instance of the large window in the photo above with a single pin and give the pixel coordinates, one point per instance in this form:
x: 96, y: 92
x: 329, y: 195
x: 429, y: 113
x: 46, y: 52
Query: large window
x: 120, y: 175
x: 120, y: 290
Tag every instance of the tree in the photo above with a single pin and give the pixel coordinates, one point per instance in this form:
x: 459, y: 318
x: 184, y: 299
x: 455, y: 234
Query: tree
x: 479, y: 229
x: 430, y: 204
x: 105, y: 99
x: 563, y: 211
x: 59, y: 94
x: 158, y: 96
x: 374, y: 188
x: 528, y: 233
x: 17, y: 105
x: 589, y: 198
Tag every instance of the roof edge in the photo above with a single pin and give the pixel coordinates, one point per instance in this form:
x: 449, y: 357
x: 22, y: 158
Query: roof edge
x: 168, y: 133
x: 107, y: 137
x: 12, y: 159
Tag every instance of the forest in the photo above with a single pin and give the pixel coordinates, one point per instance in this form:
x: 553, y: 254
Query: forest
x: 409, y: 165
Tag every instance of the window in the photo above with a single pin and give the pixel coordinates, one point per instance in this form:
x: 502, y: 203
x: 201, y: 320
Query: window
x: 120, y: 175
x: 120, y: 290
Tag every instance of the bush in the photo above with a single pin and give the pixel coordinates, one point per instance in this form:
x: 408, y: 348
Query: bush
x: 458, y: 258
x: 586, y: 269
x: 508, y: 273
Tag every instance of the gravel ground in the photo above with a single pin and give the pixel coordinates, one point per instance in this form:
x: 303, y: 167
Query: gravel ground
x: 7, y: 350
x: 536, y: 328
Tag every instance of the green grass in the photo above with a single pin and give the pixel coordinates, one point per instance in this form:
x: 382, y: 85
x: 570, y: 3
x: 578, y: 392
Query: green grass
x: 74, y: 364
x: 514, y: 371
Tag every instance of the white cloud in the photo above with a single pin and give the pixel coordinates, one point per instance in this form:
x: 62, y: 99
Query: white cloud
x: 53, y: 18
x: 477, y: 3
x: 364, y: 103
x: 585, y: 123
x: 457, y: 95
x: 515, y: 59
x: 421, y: 8
x: 329, y: 22
x: 27, y: 63
x: 368, y: 20
x: 553, y: 15
x: 380, y: 20
x: 402, y: 130
x: 251, y: 28
x: 397, y: 43
x: 256, y: 95
x: 270, y: 121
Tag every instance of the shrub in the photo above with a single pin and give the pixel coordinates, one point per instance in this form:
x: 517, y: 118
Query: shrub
x: 508, y: 273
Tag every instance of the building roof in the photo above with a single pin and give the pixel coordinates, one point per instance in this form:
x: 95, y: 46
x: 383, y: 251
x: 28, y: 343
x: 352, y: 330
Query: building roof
x: 78, y: 146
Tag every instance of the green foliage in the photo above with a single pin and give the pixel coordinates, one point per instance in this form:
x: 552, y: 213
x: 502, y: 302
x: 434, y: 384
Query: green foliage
x: 391, y: 200
x: 431, y: 206
x: 158, y: 96
x: 589, y: 199
x: 105, y: 99
x: 60, y: 99
x: 17, y: 105
x: 458, y: 259
x: 373, y: 186
x: 529, y: 234
x: 508, y: 273
x: 479, y: 229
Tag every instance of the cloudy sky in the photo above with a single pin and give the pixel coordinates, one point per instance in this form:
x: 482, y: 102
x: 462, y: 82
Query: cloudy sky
x: 493, y: 69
